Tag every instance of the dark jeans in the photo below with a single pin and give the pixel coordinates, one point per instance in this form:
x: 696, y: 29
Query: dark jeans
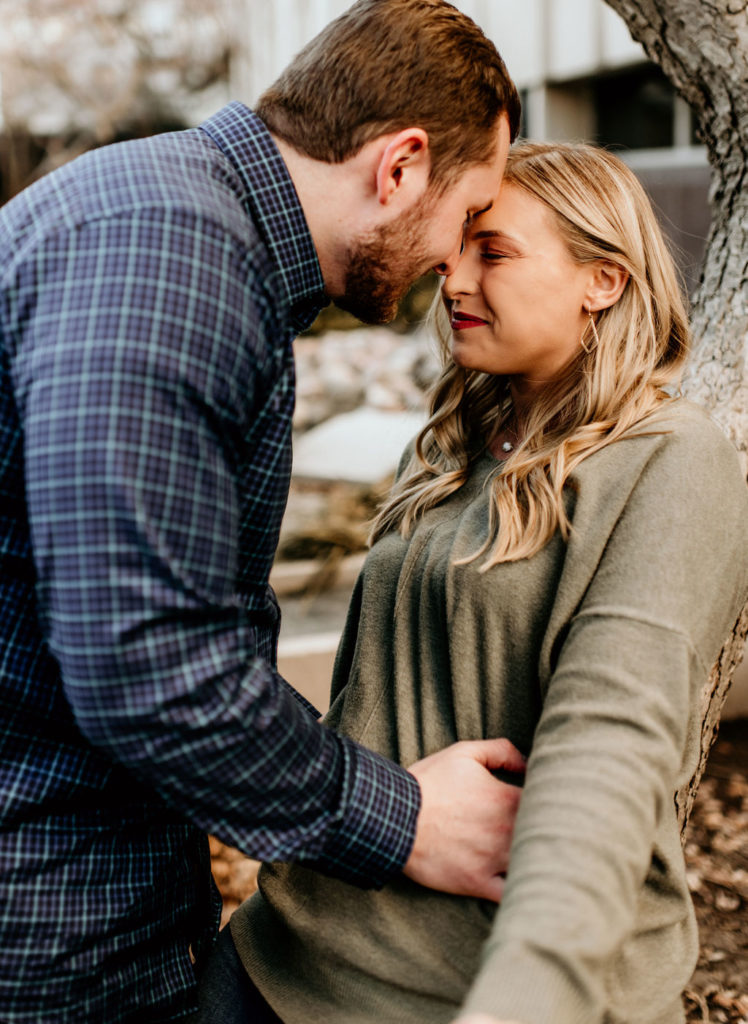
x: 226, y: 993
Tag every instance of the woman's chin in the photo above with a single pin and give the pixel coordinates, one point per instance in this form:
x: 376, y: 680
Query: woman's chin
x: 461, y: 356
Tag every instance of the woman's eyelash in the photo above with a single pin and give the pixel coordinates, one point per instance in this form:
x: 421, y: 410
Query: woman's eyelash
x: 489, y: 255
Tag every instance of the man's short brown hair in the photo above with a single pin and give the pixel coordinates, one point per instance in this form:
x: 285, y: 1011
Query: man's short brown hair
x: 385, y: 65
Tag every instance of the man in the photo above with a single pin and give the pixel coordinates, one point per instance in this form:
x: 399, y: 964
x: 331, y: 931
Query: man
x: 149, y: 295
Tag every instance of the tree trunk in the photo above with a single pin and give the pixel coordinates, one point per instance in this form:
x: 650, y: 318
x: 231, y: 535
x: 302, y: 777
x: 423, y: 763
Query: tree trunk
x: 703, y: 49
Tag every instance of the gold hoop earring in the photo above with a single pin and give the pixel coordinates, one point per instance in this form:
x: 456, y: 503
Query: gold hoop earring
x: 590, y: 348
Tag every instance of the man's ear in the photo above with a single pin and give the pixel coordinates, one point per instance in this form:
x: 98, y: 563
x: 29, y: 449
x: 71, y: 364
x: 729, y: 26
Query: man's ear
x: 404, y: 167
x: 605, y: 286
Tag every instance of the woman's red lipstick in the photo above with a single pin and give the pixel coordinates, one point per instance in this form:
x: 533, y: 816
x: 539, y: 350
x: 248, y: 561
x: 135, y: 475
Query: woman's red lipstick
x: 461, y: 321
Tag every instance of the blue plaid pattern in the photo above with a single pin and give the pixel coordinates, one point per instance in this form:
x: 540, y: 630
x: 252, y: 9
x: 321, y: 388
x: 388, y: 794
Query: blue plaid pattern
x: 149, y: 295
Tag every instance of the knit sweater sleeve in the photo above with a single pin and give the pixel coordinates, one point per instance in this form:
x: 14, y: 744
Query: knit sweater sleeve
x: 617, y: 733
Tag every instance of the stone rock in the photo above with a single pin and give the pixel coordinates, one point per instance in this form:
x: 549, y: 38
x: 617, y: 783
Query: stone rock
x: 339, y: 371
x: 361, y: 447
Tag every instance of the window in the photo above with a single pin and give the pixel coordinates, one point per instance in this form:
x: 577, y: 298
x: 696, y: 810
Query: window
x: 634, y: 109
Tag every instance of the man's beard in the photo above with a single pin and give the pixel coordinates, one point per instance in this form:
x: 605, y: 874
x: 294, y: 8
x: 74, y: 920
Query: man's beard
x: 383, y: 266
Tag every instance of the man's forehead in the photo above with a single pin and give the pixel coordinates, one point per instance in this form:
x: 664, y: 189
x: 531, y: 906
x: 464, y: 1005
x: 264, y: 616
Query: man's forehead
x: 477, y: 185
x: 491, y: 172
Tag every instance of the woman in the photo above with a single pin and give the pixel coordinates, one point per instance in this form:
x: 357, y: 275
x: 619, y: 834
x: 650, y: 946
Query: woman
x: 559, y: 563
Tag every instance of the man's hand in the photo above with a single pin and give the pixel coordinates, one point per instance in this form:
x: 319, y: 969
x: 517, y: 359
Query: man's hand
x: 465, y: 825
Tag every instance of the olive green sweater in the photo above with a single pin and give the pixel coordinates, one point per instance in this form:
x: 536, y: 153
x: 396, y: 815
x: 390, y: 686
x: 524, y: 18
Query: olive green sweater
x: 592, y: 655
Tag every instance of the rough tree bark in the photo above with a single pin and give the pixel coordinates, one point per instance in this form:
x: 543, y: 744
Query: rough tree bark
x: 702, y: 46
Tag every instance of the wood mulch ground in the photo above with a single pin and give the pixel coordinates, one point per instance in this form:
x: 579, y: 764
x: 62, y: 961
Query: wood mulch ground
x: 717, y: 859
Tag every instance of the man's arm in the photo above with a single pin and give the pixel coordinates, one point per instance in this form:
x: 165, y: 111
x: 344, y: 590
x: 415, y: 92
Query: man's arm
x: 131, y: 468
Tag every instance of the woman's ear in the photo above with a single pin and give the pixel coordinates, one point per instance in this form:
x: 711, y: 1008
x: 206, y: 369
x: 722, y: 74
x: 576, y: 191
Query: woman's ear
x: 404, y: 167
x: 606, y: 286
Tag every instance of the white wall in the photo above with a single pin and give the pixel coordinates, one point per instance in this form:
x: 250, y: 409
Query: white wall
x: 268, y: 34
x: 538, y: 39
x: 555, y: 40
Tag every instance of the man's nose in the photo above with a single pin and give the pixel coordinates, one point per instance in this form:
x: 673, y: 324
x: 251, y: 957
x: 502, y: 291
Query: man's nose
x: 449, y: 265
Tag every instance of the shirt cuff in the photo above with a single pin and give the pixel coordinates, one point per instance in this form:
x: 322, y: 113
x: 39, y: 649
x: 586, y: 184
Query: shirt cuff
x: 378, y: 812
x: 306, y: 704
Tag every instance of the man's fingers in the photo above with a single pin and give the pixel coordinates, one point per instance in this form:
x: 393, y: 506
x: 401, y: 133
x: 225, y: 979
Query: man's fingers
x: 492, y: 889
x: 497, y: 754
x: 465, y: 825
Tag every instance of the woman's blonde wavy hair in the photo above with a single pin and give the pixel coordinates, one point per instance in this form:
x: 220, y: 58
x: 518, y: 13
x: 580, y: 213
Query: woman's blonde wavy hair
x: 614, y: 390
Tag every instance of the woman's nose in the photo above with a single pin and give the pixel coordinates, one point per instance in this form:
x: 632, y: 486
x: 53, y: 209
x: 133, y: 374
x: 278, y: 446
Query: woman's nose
x: 457, y: 280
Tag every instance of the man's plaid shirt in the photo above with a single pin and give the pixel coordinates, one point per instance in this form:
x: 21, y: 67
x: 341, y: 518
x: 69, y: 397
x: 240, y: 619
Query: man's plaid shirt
x: 149, y: 295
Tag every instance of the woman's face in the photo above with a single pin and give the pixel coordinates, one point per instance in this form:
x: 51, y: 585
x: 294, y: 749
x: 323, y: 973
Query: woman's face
x: 516, y: 298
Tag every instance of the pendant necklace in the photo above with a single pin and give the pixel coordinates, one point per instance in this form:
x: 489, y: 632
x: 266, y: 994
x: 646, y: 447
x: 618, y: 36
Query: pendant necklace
x: 510, y: 433
x: 510, y: 441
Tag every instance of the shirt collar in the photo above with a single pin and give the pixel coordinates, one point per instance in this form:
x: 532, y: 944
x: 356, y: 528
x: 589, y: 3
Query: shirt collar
x: 270, y: 194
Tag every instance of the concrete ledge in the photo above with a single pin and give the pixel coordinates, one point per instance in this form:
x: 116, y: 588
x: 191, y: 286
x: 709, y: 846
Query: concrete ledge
x: 306, y: 662
x: 291, y: 577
